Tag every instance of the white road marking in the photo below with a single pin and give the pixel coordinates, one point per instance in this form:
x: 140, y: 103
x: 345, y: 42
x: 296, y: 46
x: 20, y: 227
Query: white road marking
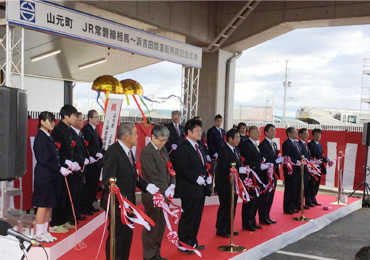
x: 304, y: 255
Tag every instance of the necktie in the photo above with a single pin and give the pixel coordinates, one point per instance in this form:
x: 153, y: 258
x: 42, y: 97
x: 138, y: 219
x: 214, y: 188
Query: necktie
x: 129, y: 155
x: 161, y: 154
x: 306, y: 146
x: 272, y: 146
x: 220, y: 132
x: 297, y: 146
x: 177, y: 130
x: 198, y: 152
x: 257, y: 147
x: 236, y: 155
x: 320, y: 148
x: 80, y: 134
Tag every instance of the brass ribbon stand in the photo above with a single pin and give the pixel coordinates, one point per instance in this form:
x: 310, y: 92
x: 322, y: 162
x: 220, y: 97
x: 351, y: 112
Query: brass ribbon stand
x: 112, y: 219
x: 338, y: 202
x: 232, y: 248
x: 302, y: 218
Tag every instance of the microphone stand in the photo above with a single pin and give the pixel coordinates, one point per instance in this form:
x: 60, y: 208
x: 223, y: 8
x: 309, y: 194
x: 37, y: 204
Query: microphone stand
x: 24, y: 250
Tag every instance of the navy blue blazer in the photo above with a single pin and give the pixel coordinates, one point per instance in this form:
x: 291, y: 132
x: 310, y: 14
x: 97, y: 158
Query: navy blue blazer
x: 47, y: 158
x: 253, y: 158
x: 80, y: 152
x: 289, y: 149
x: 95, y: 142
x: 215, y: 140
x: 62, y: 135
x: 316, y: 152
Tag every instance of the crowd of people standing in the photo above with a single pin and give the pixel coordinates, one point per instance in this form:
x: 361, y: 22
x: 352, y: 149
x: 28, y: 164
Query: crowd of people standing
x: 202, y: 163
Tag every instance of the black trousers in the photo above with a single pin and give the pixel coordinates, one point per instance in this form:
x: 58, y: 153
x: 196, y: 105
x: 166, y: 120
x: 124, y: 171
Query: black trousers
x: 249, y: 211
x: 315, y: 188
x: 223, y: 213
x: 270, y: 200
x: 75, y: 187
x: 90, y: 187
x: 123, y: 238
x: 290, y: 190
x: 190, y: 220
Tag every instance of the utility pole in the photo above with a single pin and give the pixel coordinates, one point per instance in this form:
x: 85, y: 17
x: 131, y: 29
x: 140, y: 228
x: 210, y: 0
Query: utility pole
x: 286, y: 84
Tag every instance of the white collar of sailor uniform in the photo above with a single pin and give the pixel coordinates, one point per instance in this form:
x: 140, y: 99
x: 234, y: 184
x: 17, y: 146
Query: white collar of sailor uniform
x: 124, y: 147
x: 76, y: 130
x: 94, y: 127
x: 47, y: 133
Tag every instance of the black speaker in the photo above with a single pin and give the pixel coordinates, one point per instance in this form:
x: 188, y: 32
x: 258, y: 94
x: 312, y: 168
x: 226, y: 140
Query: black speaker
x: 366, y: 134
x: 13, y: 133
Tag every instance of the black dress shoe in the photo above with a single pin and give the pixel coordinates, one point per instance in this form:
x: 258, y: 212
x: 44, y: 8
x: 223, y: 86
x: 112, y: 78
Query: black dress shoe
x: 316, y: 204
x: 186, y: 252
x: 222, y: 234
x: 250, y: 228
x: 295, y: 211
x: 236, y: 233
x: 161, y: 258
x: 272, y: 221
x: 306, y: 207
x: 200, y: 247
x: 265, y: 222
x: 289, y: 212
x: 93, y: 209
x: 310, y: 205
x: 257, y: 227
x: 79, y: 217
x: 87, y: 212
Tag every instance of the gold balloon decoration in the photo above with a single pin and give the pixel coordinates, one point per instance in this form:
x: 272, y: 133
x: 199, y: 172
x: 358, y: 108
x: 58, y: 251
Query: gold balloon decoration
x: 131, y: 87
x: 107, y: 83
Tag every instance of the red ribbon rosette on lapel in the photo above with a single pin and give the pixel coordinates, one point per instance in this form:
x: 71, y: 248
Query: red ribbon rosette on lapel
x: 224, y: 137
x: 73, y: 143
x: 205, y: 142
x: 208, y: 169
x: 169, y: 167
x: 86, y: 143
x: 58, y: 145
x: 184, y: 136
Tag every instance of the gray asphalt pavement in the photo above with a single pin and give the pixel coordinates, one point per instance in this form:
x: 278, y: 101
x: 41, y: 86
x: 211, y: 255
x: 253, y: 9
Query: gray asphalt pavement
x: 340, y: 240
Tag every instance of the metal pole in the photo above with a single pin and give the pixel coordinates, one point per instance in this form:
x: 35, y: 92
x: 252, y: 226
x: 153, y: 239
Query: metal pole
x: 112, y: 219
x: 338, y: 202
x: 285, y: 86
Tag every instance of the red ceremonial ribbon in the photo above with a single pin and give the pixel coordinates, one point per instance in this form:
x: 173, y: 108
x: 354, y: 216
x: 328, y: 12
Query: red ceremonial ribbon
x: 242, y: 159
x: 86, y: 143
x: 73, y: 143
x: 141, y: 111
x: 239, y: 187
x: 58, y: 145
x: 270, y: 175
x: 172, y: 236
x: 289, y: 164
x: 170, y: 170
x: 208, y: 170
x: 140, y: 217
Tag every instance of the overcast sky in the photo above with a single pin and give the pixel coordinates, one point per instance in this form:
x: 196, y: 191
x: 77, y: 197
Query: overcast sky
x: 325, y: 69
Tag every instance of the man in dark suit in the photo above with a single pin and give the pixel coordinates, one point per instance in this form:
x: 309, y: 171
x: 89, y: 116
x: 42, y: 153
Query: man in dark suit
x: 250, y: 151
x: 292, y: 150
x: 269, y: 151
x: 203, y: 141
x: 215, y: 137
x: 96, y: 154
x: 317, y: 154
x: 227, y: 155
x: 303, y: 135
x: 81, y: 156
x: 177, y: 133
x: 193, y: 184
x: 153, y: 159
x: 61, y: 135
x: 119, y: 162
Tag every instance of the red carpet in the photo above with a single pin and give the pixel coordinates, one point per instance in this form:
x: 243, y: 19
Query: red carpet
x: 207, y: 233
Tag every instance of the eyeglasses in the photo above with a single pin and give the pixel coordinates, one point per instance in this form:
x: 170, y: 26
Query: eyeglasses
x: 96, y: 116
x: 199, y: 130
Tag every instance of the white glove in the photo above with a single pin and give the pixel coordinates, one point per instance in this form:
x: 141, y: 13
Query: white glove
x: 64, y: 171
x: 243, y: 170
x: 279, y: 160
x: 328, y: 159
x: 315, y: 162
x: 264, y: 167
x: 215, y: 155
x: 68, y: 162
x: 170, y: 191
x: 92, y: 160
x: 209, y: 180
x: 75, y: 166
x: 208, y: 158
x: 86, y: 162
x: 200, y: 181
x: 99, y: 155
x: 174, y: 147
x: 152, y: 189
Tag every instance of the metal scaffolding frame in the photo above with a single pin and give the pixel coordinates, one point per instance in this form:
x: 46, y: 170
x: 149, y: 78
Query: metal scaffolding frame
x: 189, y: 92
x: 365, y: 89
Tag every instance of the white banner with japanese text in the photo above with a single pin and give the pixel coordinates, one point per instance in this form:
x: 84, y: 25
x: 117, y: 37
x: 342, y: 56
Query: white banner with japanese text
x: 111, y: 121
x: 57, y: 19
